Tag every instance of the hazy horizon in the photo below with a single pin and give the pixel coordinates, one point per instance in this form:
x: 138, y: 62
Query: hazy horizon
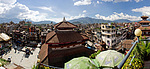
x: 55, y: 10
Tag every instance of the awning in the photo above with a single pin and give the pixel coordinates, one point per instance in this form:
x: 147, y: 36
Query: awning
x: 4, y: 37
x: 89, y: 43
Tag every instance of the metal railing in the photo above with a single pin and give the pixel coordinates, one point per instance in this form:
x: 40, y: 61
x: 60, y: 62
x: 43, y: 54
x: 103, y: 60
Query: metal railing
x: 51, y: 66
x: 129, y: 52
x: 41, y: 64
x: 126, y: 57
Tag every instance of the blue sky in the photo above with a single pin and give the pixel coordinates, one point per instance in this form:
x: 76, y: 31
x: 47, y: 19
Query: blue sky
x: 55, y: 10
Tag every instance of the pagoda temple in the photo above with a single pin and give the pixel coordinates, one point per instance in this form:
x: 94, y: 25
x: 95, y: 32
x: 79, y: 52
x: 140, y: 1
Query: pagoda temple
x: 145, y: 26
x: 63, y: 44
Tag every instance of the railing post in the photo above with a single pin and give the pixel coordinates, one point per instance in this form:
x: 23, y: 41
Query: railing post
x: 131, y: 60
x: 126, y: 57
x: 138, y: 39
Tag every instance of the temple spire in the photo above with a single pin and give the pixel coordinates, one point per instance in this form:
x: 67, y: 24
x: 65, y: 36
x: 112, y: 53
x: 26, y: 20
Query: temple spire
x: 64, y: 20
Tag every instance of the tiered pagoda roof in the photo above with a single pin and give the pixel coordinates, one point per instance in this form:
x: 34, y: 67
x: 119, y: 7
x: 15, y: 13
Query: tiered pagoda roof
x: 64, y: 36
x: 63, y: 43
x: 144, y: 19
x: 64, y: 25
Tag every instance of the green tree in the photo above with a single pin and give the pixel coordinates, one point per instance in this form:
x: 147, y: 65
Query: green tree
x: 142, y: 50
x: 94, y: 54
x: 11, y: 22
x: 22, y: 22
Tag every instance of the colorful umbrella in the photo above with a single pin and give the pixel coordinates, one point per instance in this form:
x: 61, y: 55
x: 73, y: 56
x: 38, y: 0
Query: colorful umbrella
x: 109, y: 58
x: 81, y: 63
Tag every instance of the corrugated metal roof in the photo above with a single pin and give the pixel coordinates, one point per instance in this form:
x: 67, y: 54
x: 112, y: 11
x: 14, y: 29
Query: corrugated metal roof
x: 4, y: 37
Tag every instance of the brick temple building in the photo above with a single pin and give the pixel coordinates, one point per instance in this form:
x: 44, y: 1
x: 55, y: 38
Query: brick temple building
x: 63, y: 44
x: 145, y: 26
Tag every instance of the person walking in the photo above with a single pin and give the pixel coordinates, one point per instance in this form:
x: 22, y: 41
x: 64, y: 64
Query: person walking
x: 9, y: 48
x: 15, y: 48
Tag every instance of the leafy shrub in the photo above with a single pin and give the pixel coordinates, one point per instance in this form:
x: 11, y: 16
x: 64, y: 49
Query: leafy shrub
x: 136, y: 63
x: 94, y: 54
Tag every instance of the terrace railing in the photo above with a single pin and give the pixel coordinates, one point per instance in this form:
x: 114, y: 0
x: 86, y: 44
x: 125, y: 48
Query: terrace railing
x: 129, y: 52
x: 51, y: 67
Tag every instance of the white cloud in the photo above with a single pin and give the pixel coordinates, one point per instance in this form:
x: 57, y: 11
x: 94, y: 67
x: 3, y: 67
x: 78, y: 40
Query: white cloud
x: 107, y: 0
x: 144, y: 10
x: 97, y: 2
x: 24, y: 12
x: 120, y: 0
x: 65, y: 14
x: 46, y: 8
x: 138, y: 0
x: 83, y: 2
x: 75, y: 17
x: 8, y: 1
x: 13, y: 9
x: 84, y: 11
x: 5, y: 5
x: 116, y: 16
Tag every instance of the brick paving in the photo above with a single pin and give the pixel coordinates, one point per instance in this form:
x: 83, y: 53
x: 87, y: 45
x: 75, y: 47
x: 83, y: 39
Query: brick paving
x: 20, y: 59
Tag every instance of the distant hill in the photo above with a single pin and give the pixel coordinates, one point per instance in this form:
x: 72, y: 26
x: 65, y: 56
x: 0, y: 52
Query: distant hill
x: 89, y: 20
x: 122, y: 20
x: 93, y: 20
x: 16, y: 20
x: 6, y: 20
x: 74, y: 21
x: 77, y: 22
x: 44, y: 22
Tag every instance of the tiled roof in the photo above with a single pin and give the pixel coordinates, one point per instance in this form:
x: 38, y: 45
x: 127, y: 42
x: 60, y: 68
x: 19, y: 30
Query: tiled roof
x: 65, y: 24
x: 126, y: 44
x: 144, y: 21
x: 43, y: 52
x: 24, y: 26
x: 64, y: 37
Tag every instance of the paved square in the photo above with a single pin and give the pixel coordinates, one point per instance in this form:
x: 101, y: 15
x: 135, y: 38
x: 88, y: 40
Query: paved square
x: 20, y: 59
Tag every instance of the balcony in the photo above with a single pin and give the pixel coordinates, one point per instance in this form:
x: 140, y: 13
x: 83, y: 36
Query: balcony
x: 110, y: 38
x: 108, y: 33
x: 108, y: 28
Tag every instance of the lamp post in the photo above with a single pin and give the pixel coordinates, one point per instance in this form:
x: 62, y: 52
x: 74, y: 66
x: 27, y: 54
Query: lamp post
x: 138, y: 33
